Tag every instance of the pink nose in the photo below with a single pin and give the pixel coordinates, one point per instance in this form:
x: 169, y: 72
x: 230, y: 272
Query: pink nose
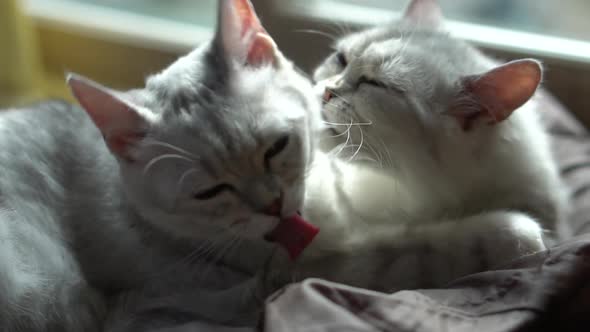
x: 274, y: 209
x: 328, y: 94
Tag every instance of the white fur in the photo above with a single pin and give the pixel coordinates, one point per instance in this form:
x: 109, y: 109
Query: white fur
x: 413, y: 199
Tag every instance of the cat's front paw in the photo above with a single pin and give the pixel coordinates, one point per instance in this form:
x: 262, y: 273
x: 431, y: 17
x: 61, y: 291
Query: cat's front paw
x: 506, y: 236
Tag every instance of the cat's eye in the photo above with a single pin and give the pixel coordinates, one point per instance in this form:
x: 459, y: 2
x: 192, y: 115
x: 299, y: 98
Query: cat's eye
x: 366, y: 80
x: 341, y: 58
x: 276, y: 148
x: 212, y: 192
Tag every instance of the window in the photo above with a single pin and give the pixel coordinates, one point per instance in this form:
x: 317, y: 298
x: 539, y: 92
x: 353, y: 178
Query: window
x: 119, y: 42
x: 555, y: 32
x: 172, y: 25
x: 524, y: 26
x: 566, y: 18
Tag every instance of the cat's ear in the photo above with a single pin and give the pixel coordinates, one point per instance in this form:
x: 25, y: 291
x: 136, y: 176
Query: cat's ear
x: 498, y: 92
x: 121, y: 123
x: 424, y: 13
x: 242, y: 37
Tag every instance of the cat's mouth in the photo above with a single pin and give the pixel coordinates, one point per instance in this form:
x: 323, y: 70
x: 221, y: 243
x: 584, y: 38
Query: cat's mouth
x: 328, y: 124
x: 270, y: 236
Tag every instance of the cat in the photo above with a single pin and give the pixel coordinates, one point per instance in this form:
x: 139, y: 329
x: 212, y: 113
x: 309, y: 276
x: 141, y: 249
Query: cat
x: 462, y: 179
x: 148, y: 208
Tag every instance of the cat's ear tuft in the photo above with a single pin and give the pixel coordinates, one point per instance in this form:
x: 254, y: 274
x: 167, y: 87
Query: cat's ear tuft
x: 424, y: 13
x: 121, y: 123
x: 242, y: 37
x: 496, y: 94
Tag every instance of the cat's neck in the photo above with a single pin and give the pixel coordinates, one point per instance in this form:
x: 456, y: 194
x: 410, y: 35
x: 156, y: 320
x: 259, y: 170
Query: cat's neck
x: 353, y: 204
x: 500, y: 167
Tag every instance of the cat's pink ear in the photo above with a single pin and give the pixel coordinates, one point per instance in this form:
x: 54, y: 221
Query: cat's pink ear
x: 121, y: 123
x: 424, y: 13
x: 497, y: 93
x: 242, y: 36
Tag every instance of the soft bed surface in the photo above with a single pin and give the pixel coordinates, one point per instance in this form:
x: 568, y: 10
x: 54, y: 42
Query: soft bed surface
x: 548, y: 291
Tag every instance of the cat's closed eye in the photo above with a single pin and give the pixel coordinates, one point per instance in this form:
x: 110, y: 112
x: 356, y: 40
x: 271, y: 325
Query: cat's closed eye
x: 341, y: 59
x: 212, y: 192
x: 373, y: 82
x: 276, y: 148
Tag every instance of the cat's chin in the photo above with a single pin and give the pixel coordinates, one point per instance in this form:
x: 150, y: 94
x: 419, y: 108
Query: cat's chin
x: 259, y: 227
x: 255, y: 227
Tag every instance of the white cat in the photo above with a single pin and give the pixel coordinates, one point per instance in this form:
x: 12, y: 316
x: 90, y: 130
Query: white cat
x: 462, y: 178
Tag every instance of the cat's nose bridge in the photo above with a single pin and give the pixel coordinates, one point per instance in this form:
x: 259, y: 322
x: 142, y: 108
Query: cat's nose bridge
x: 263, y: 193
x: 334, y: 82
x: 328, y: 94
x: 331, y: 86
x: 330, y: 89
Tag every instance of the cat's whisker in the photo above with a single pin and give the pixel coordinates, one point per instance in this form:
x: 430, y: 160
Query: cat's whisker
x: 200, y: 251
x: 339, y: 96
x: 194, y: 255
x: 349, y: 124
x: 360, y: 146
x: 343, y: 29
x: 203, y: 251
x: 338, y: 135
x: 360, y: 67
x: 208, y: 250
x: 332, y: 106
x: 343, y: 146
x: 373, y: 160
x: 378, y: 154
x: 185, y: 175
x: 170, y: 146
x: 331, y: 37
x: 163, y: 157
x: 233, y: 242
x: 333, y: 29
x: 387, y: 152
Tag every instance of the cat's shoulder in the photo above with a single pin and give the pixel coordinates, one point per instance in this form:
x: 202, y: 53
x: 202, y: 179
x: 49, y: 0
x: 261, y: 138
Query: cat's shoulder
x: 51, y: 113
x: 49, y: 107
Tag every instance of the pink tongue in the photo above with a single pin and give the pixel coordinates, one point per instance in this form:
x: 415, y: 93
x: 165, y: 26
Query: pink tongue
x: 294, y: 234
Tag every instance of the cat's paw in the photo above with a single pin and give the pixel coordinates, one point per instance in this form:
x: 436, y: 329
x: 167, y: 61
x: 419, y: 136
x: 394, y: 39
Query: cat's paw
x: 506, y: 236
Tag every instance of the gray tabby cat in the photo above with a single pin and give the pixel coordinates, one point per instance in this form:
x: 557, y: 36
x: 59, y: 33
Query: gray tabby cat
x: 165, y: 222
x: 464, y: 179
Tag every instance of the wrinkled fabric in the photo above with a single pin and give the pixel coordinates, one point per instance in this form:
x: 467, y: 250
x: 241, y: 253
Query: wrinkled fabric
x: 571, y: 147
x: 548, y: 291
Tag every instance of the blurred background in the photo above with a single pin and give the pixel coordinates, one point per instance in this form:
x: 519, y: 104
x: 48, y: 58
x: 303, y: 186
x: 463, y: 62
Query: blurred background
x: 120, y: 42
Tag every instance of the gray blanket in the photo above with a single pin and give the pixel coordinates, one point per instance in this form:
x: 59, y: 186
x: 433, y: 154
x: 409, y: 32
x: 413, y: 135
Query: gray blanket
x: 546, y: 291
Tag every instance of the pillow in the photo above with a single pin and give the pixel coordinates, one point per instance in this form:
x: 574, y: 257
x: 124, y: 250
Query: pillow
x: 571, y: 147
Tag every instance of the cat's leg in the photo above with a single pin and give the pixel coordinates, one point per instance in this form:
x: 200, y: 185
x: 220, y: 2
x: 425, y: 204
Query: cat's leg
x: 446, y: 250
x: 501, y: 236
x: 41, y: 286
x: 426, y: 255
